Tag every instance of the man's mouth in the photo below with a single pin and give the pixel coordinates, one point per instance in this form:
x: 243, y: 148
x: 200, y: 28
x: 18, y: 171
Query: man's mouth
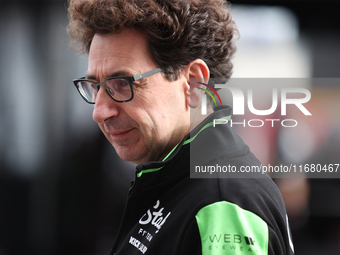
x: 119, y: 134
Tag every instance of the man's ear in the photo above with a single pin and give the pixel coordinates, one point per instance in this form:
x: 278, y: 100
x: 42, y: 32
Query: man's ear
x: 195, y: 72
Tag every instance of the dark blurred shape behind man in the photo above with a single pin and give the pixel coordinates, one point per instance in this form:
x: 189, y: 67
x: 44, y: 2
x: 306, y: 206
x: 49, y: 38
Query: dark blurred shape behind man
x: 143, y: 59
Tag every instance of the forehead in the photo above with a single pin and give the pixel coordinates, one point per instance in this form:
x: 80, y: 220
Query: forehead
x: 126, y: 52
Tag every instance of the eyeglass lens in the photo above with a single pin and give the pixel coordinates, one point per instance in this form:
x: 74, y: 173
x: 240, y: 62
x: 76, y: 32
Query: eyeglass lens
x: 119, y: 89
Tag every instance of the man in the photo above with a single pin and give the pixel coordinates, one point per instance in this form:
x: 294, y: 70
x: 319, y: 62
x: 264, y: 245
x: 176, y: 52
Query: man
x: 144, y: 60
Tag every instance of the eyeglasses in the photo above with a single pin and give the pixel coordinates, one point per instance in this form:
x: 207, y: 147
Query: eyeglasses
x: 120, y: 89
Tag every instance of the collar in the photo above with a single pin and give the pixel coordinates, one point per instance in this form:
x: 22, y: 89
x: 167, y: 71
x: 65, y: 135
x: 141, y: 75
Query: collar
x: 196, y: 137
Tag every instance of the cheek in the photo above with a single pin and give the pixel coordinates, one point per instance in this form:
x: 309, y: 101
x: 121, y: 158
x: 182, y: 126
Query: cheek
x: 157, y: 109
x: 152, y: 125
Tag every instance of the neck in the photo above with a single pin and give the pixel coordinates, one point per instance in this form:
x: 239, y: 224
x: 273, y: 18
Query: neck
x: 196, y: 116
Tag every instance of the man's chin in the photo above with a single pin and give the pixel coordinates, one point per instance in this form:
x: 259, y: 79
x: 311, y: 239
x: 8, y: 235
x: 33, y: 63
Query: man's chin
x: 133, y: 155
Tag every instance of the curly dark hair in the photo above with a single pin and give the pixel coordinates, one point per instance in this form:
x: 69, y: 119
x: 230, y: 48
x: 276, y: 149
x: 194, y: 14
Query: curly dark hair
x: 178, y: 31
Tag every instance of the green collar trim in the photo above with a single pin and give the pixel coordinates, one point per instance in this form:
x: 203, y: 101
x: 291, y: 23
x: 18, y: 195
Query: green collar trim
x: 215, y: 122
x: 148, y: 171
x: 170, y: 153
x: 219, y: 121
x: 156, y: 169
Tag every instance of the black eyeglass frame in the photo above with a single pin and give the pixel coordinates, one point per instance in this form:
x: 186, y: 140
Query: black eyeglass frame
x: 129, y: 79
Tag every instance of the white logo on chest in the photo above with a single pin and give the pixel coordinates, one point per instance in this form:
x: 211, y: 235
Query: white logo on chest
x: 156, y: 217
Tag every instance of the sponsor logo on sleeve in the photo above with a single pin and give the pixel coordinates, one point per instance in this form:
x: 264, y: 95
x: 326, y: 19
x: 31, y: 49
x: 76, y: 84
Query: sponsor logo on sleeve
x: 226, y: 228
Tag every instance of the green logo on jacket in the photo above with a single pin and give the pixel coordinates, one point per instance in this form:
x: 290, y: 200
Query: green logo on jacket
x: 226, y: 228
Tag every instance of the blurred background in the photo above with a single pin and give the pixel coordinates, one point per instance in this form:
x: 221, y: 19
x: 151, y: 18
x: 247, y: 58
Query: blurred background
x: 62, y: 186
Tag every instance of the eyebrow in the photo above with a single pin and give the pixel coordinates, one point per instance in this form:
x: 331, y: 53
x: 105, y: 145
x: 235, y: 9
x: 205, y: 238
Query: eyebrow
x: 121, y: 73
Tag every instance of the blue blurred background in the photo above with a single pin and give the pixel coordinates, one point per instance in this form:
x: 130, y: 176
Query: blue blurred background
x: 62, y: 186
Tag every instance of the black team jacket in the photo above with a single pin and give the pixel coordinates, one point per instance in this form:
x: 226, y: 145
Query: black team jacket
x: 213, y: 210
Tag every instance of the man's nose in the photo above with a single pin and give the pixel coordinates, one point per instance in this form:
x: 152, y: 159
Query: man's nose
x: 105, y: 107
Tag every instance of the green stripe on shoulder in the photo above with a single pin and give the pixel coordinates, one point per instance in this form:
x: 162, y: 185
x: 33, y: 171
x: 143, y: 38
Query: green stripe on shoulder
x: 226, y: 228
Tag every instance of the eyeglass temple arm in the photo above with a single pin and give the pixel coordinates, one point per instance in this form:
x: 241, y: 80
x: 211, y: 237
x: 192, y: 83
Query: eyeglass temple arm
x: 143, y: 75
